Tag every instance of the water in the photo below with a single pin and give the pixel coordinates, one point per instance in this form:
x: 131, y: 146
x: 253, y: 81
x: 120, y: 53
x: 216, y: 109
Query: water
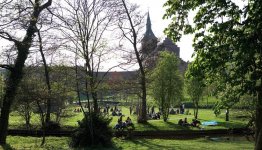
x: 231, y: 138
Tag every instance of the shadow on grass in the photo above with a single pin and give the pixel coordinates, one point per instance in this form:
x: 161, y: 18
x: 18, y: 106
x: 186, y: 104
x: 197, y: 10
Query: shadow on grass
x: 152, y: 145
x: 228, y: 124
x: 100, y: 147
x: 149, y: 125
x: 6, y: 147
x: 172, y: 125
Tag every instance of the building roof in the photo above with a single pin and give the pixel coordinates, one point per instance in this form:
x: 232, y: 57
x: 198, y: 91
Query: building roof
x: 168, y: 45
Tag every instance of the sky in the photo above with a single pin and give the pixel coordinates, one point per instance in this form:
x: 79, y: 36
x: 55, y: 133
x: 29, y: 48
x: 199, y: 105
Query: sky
x: 156, y: 11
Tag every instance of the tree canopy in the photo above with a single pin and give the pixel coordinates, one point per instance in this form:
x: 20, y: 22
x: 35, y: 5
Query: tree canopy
x: 195, y: 84
x: 167, y: 83
x: 227, y: 42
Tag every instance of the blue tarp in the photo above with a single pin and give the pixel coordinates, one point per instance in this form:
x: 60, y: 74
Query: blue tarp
x: 209, y: 123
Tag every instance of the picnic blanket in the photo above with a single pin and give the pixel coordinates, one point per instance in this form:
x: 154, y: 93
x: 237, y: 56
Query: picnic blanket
x: 209, y: 123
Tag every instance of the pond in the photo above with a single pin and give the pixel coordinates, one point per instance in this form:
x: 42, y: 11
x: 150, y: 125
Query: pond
x: 231, y: 138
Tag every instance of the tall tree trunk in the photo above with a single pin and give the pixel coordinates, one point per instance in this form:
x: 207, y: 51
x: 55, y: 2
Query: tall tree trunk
x: 227, y: 114
x: 43, y: 123
x: 13, y: 80
x: 196, y: 114
x: 258, y: 121
x: 143, y: 84
x: 95, y: 102
x: 142, y: 118
x: 4, y: 120
x: 16, y: 72
x: 90, y: 121
x: 27, y: 118
x: 47, y: 79
x: 194, y: 103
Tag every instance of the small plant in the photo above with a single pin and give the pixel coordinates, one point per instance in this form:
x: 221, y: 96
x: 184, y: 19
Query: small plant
x: 217, y: 109
x: 102, y: 133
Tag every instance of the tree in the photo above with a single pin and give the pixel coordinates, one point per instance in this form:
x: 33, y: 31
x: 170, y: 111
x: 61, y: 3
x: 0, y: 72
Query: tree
x: 20, y: 14
x: 194, y: 85
x: 130, y: 32
x: 25, y: 100
x: 47, y: 78
x: 229, y: 95
x: 85, y: 24
x: 167, y: 83
x: 227, y: 37
x: 2, y: 85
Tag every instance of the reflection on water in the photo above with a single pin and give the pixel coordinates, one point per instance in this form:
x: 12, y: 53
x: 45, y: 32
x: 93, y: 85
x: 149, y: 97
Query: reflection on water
x: 232, y: 138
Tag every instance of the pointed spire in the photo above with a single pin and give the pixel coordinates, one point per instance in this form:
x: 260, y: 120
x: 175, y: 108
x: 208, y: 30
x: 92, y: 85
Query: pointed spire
x: 148, y: 22
x: 149, y: 33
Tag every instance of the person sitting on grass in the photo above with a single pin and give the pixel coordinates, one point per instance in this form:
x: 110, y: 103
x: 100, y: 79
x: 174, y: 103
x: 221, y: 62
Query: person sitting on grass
x: 185, y: 123
x: 114, y: 113
x: 117, y: 126
x: 129, y: 123
x: 180, y: 122
x: 120, y: 124
x: 156, y: 116
x: 195, y: 123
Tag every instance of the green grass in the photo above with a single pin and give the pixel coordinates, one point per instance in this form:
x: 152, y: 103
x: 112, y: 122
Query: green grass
x: 19, y: 142
x: 195, y: 144
x: 70, y: 119
x: 171, y: 124
x: 61, y: 143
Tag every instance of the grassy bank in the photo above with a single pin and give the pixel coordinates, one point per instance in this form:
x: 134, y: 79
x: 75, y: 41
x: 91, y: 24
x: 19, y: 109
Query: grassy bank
x: 61, y: 143
x: 70, y: 118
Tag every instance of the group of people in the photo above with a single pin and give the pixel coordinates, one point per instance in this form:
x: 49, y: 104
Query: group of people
x: 124, y: 124
x: 77, y: 110
x: 116, y: 112
x: 195, y: 123
x: 154, y: 116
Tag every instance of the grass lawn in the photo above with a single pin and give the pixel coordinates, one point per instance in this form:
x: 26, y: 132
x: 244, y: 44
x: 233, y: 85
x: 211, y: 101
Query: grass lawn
x: 70, y: 120
x: 61, y: 143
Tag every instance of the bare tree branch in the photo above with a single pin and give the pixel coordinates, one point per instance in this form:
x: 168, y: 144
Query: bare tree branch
x: 8, y: 67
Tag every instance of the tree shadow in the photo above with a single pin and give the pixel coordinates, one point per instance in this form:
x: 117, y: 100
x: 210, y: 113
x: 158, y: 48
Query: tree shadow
x: 148, y: 125
x: 177, y: 126
x: 229, y: 124
x: 152, y: 145
x: 6, y: 147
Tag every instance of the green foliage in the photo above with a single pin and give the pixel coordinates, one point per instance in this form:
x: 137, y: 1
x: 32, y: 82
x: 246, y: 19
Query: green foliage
x: 217, y: 108
x: 195, y: 84
x: 227, y: 43
x: 167, y: 83
x: 226, y: 38
x: 101, y: 131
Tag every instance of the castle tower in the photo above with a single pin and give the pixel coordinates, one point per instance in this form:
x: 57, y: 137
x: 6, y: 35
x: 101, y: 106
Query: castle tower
x: 149, y: 41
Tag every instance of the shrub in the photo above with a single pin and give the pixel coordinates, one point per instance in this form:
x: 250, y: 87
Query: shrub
x: 51, y: 125
x: 101, y: 131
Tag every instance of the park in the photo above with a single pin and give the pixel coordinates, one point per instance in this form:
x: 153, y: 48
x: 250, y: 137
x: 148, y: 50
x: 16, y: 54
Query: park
x: 98, y: 74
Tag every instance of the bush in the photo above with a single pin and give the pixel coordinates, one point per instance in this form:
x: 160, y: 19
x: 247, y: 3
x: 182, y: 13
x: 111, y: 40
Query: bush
x: 101, y: 131
x: 52, y: 126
